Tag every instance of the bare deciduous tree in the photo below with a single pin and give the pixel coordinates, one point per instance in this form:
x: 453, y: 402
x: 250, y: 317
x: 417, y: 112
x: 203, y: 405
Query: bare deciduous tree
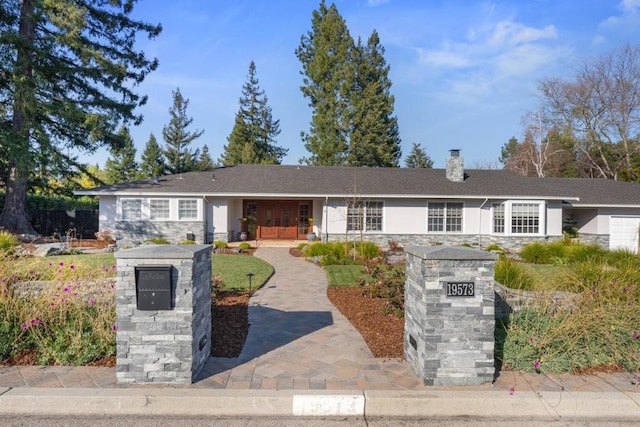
x: 601, y: 104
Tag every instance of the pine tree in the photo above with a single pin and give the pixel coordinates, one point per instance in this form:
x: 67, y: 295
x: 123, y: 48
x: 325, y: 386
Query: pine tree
x: 374, y: 139
x: 67, y: 70
x: 205, y: 163
x: 418, y: 158
x: 252, y: 139
x: 153, y: 162
x: 121, y: 166
x: 325, y: 53
x: 177, y: 138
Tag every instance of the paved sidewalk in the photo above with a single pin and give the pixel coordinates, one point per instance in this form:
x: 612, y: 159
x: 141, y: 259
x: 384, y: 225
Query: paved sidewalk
x: 300, y: 345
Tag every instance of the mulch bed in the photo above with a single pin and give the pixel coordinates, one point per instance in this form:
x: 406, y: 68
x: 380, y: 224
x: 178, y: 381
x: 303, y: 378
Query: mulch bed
x: 230, y: 323
x: 383, y: 333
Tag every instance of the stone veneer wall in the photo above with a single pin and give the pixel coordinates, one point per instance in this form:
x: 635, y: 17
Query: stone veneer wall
x: 513, y: 300
x: 132, y: 233
x: 164, y: 346
x: 407, y: 240
x: 449, y: 340
x: 598, y: 239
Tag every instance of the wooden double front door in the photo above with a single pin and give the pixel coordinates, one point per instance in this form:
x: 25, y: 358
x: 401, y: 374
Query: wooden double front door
x: 278, y: 219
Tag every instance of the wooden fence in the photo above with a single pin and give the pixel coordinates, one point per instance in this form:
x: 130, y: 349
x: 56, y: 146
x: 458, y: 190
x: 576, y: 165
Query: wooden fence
x: 48, y: 223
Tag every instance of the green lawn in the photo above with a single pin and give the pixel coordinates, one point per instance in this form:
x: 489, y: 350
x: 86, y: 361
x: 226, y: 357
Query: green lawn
x: 233, y: 270
x: 343, y: 275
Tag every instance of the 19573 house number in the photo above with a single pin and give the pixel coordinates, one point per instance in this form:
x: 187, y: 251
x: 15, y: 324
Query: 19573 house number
x: 459, y: 289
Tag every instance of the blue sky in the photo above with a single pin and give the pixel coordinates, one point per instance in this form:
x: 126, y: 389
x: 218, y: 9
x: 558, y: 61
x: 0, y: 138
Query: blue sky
x: 464, y: 73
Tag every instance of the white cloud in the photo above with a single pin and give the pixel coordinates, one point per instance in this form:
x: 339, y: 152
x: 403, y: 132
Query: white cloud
x: 513, y: 33
x: 630, y: 6
x: 627, y: 21
x: 443, y: 58
x: 492, y: 60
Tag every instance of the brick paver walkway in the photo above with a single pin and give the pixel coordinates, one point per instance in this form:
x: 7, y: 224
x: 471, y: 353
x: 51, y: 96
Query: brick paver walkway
x: 299, y: 340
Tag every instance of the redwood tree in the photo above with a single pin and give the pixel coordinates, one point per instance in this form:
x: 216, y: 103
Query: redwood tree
x: 67, y: 75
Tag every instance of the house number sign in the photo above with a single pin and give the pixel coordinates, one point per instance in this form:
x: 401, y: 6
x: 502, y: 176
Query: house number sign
x: 459, y: 289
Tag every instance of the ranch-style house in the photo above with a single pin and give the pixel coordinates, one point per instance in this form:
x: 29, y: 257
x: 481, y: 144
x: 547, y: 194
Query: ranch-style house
x: 412, y: 206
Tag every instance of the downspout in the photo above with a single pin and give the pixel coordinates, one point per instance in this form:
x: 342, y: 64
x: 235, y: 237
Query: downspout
x: 480, y: 222
x: 326, y: 218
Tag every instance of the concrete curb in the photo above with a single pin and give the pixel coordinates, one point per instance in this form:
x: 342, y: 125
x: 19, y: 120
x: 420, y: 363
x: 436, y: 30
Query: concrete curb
x: 370, y: 403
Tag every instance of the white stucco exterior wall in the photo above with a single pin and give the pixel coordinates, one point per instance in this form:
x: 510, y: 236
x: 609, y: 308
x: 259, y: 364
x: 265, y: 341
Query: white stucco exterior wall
x: 108, y: 211
x: 218, y: 220
x: 554, y: 218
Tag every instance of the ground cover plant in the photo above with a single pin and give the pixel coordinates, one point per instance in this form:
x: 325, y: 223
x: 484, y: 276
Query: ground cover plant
x: 598, y: 327
x: 60, y: 309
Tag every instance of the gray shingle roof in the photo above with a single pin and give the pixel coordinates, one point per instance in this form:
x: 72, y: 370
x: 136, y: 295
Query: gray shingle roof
x: 336, y: 181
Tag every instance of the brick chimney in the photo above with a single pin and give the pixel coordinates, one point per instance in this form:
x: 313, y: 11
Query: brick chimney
x: 455, y: 166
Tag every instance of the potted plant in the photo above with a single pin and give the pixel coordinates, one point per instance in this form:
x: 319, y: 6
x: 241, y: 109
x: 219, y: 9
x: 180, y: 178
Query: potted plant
x: 310, y: 234
x: 243, y: 231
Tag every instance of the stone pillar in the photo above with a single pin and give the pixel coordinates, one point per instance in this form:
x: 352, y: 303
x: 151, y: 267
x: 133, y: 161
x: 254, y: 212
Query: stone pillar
x: 449, y: 315
x: 170, y: 344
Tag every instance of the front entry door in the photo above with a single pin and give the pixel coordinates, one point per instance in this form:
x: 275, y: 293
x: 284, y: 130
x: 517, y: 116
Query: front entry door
x: 277, y: 220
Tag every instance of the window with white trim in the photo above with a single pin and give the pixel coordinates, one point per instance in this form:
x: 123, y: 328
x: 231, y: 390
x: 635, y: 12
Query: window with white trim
x: 159, y: 209
x: 187, y: 209
x: 367, y: 214
x: 498, y: 218
x: 518, y: 217
x: 525, y: 218
x: 131, y: 209
x: 444, y: 217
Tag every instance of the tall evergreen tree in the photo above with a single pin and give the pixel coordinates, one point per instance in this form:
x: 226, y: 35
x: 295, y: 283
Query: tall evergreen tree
x: 177, y: 138
x: 325, y: 53
x: 374, y: 139
x: 121, y: 166
x: 205, y: 163
x: 67, y: 69
x: 418, y: 158
x: 254, y: 130
x: 153, y: 163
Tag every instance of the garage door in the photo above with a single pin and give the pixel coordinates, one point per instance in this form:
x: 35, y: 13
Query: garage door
x: 624, y: 233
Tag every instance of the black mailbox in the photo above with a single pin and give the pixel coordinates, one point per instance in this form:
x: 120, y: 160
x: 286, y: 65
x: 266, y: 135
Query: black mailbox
x: 153, y: 287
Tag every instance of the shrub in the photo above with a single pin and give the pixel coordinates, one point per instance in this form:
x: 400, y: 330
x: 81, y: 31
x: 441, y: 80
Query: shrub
x: 8, y: 240
x: 536, y: 253
x: 512, y: 275
x: 341, y: 253
x: 384, y: 281
x: 220, y: 244
x: 188, y: 242
x: 395, y: 246
x: 106, y: 235
x: 244, y: 246
x: 494, y: 247
x: 159, y: 241
x: 368, y: 249
x: 559, y: 249
x: 577, y: 253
